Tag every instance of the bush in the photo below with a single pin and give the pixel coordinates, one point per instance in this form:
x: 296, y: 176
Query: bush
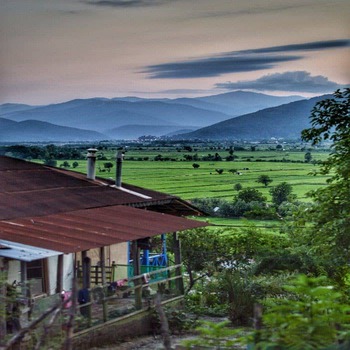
x: 313, y: 318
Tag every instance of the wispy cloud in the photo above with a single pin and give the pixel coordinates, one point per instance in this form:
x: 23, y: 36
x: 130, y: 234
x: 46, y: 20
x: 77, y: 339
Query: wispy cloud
x: 127, y: 3
x: 239, y: 61
x: 300, y: 81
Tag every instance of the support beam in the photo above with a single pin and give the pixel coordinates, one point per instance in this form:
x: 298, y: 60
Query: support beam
x: 137, y: 271
x: 24, y: 282
x: 178, y: 260
x: 103, y: 273
x: 59, y: 284
x: 3, y: 294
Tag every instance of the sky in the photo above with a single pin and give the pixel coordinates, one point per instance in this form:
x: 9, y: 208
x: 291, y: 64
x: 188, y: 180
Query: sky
x: 58, y: 50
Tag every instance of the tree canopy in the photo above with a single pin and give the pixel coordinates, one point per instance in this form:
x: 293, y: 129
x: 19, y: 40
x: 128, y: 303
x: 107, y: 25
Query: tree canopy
x: 329, y: 234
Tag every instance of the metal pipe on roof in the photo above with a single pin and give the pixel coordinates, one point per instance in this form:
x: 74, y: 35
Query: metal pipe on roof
x: 119, y: 159
x: 91, y: 163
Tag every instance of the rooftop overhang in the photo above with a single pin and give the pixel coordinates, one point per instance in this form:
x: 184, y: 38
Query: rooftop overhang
x: 23, y: 252
x: 86, y: 229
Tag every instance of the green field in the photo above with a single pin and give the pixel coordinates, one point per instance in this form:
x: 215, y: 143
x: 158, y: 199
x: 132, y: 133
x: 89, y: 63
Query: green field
x: 178, y: 177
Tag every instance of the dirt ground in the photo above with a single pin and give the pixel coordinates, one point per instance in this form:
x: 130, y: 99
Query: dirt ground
x: 154, y: 343
x: 146, y: 343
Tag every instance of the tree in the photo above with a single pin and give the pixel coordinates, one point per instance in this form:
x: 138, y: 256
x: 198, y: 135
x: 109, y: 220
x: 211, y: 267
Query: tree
x: 282, y: 193
x: 264, y: 179
x: 108, y: 166
x: 75, y: 164
x: 65, y: 164
x: 219, y: 171
x: 237, y: 187
x: 308, y: 157
x: 251, y: 195
x: 50, y: 162
x: 195, y: 166
x: 329, y: 219
x: 200, y: 249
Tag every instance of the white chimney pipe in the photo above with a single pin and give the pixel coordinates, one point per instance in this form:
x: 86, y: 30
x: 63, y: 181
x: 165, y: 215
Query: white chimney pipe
x: 118, y: 178
x: 91, y: 163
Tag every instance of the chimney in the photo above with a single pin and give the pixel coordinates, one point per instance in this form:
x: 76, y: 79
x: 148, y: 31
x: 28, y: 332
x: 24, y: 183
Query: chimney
x: 91, y: 162
x: 118, y: 179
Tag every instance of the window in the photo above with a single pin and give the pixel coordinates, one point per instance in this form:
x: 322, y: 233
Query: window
x: 36, y: 276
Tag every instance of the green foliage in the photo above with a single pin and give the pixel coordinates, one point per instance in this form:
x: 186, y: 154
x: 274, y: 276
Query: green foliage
x: 308, y: 157
x: 282, y: 193
x: 314, y: 318
x: 50, y: 162
x: 237, y: 187
x: 264, y: 179
x: 65, y: 164
x: 328, y: 222
x: 108, y: 166
x: 214, y: 336
x: 251, y: 195
x: 241, y: 295
x: 200, y: 249
x: 178, y: 320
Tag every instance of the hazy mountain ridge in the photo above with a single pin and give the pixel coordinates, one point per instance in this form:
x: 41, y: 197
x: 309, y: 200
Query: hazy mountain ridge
x: 131, y: 117
x: 285, y: 121
x: 34, y: 130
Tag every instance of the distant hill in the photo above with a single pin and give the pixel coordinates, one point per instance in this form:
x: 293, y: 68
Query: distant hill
x: 37, y: 131
x: 13, y: 107
x: 243, y: 102
x: 285, y: 121
x: 131, y: 117
x: 134, y: 131
x: 100, y: 115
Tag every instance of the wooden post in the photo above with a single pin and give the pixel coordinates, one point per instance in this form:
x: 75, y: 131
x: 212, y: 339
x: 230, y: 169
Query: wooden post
x: 3, y: 302
x: 137, y: 271
x: 114, y: 272
x: 103, y: 273
x: 59, y: 283
x: 24, y: 282
x: 178, y: 260
x: 87, y: 282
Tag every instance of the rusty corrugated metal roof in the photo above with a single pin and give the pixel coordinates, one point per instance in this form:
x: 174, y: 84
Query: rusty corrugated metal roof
x: 63, y: 211
x: 28, y: 189
x: 91, y: 228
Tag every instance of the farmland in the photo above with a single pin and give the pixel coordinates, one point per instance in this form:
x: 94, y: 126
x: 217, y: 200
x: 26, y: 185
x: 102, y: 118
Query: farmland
x: 175, y: 175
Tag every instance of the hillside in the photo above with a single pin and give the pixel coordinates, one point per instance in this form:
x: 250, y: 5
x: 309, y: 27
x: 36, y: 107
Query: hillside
x: 243, y: 102
x: 118, y: 117
x: 135, y: 131
x: 37, y: 131
x: 285, y: 121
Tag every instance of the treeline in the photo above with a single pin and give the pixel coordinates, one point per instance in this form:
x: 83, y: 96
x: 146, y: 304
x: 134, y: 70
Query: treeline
x: 252, y: 204
x: 44, y: 152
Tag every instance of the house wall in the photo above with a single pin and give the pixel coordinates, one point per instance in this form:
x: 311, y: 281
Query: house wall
x: 116, y: 252
x: 14, y: 271
x: 68, y: 266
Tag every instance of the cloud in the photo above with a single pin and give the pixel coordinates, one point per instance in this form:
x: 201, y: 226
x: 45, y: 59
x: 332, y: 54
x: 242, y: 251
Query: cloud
x: 300, y: 81
x: 127, y: 3
x: 239, y: 61
x: 215, y: 66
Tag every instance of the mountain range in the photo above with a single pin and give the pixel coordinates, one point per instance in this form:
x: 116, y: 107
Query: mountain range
x: 285, y: 121
x: 131, y: 117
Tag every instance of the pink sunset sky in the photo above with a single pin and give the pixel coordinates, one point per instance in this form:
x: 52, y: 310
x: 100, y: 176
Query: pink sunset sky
x: 58, y: 50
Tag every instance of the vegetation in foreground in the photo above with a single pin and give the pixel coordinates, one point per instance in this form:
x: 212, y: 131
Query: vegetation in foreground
x: 301, y: 277
x: 300, y: 274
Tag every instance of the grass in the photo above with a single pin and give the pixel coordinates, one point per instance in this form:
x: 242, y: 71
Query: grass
x: 181, y: 179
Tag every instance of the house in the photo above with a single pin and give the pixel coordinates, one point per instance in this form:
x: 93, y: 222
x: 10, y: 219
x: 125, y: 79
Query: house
x: 53, y: 221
